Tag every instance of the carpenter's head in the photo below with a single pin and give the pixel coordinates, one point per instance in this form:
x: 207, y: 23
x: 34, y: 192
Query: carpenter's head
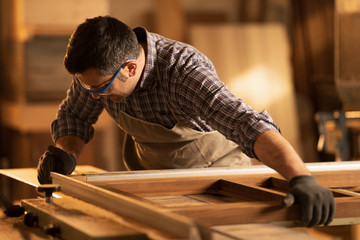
x: 102, y: 43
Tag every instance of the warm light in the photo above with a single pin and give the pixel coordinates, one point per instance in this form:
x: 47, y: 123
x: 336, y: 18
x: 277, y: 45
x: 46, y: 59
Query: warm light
x: 260, y: 87
x: 56, y: 195
x: 254, y: 61
x: 348, y: 5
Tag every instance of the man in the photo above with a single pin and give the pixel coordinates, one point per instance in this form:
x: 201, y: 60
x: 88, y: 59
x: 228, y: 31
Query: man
x: 167, y: 97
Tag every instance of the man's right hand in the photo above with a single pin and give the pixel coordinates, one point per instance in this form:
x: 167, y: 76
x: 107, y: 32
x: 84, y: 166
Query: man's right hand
x: 316, y: 202
x: 54, y: 160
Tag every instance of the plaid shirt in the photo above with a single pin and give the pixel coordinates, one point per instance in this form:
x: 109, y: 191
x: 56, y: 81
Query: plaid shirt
x: 188, y: 83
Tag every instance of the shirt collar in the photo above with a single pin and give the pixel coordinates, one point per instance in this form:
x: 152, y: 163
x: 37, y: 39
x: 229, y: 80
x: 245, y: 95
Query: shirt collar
x: 149, y: 70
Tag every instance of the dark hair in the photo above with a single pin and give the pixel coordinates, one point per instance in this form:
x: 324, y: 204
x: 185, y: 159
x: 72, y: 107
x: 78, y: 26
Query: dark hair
x: 103, y: 43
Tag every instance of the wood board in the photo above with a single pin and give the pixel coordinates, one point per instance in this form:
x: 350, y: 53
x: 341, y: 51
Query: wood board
x: 222, y: 197
x: 76, y: 219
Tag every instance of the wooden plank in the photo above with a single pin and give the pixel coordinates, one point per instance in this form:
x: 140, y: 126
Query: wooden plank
x: 77, y: 219
x: 344, y: 178
x: 250, y: 193
x: 277, y: 183
x: 282, y: 185
x: 161, y: 186
x: 208, y: 198
x: 159, y: 195
x: 264, y: 231
x: 240, y: 213
x: 177, y: 225
x: 29, y: 175
x: 347, y: 209
x: 345, y: 193
x: 317, y: 168
x: 195, y: 185
x: 25, y: 175
x: 176, y: 201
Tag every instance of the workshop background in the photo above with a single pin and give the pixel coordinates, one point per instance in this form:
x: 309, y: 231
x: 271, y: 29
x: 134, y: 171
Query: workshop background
x: 278, y: 55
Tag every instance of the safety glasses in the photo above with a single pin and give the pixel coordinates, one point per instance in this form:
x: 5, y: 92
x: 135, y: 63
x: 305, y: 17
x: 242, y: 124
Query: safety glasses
x: 103, y: 89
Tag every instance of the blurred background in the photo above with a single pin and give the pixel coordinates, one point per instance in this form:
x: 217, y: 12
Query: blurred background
x: 277, y: 55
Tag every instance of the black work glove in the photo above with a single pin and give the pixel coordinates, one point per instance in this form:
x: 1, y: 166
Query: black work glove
x: 316, y: 202
x: 54, y: 160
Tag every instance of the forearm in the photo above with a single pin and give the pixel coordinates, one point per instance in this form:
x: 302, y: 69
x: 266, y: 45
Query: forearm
x: 71, y: 144
x: 276, y: 152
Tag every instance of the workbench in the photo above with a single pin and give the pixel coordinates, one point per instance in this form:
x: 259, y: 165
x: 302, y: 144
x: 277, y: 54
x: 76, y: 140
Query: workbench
x: 224, y: 203
x: 15, y: 229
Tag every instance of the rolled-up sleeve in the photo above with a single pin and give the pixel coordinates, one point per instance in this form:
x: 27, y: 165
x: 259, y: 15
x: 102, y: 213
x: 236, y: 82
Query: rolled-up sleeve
x: 254, y: 124
x: 76, y: 115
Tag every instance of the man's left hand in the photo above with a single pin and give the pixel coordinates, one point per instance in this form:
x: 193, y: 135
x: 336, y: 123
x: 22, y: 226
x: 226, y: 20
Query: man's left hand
x: 316, y: 202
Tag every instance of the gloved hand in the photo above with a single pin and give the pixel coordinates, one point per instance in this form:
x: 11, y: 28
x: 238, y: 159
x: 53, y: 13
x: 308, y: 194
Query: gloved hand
x: 54, y: 160
x: 317, y: 203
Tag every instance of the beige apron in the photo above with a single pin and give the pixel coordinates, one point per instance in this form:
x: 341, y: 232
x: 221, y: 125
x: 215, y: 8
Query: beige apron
x: 153, y: 146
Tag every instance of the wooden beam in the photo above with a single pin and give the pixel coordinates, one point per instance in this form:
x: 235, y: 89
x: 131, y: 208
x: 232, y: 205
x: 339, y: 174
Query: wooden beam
x: 326, y: 167
x: 177, y: 225
x: 169, y: 198
x: 347, y: 211
x: 79, y: 220
x: 160, y: 187
x: 249, y: 193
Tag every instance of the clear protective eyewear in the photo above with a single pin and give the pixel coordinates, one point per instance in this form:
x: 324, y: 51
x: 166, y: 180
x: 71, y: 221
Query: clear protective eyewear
x: 103, y: 89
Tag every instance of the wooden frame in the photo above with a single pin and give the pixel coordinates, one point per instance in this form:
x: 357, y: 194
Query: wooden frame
x: 179, y: 201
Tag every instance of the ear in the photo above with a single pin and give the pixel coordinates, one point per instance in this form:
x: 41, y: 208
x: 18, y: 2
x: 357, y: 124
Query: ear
x: 131, y: 68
